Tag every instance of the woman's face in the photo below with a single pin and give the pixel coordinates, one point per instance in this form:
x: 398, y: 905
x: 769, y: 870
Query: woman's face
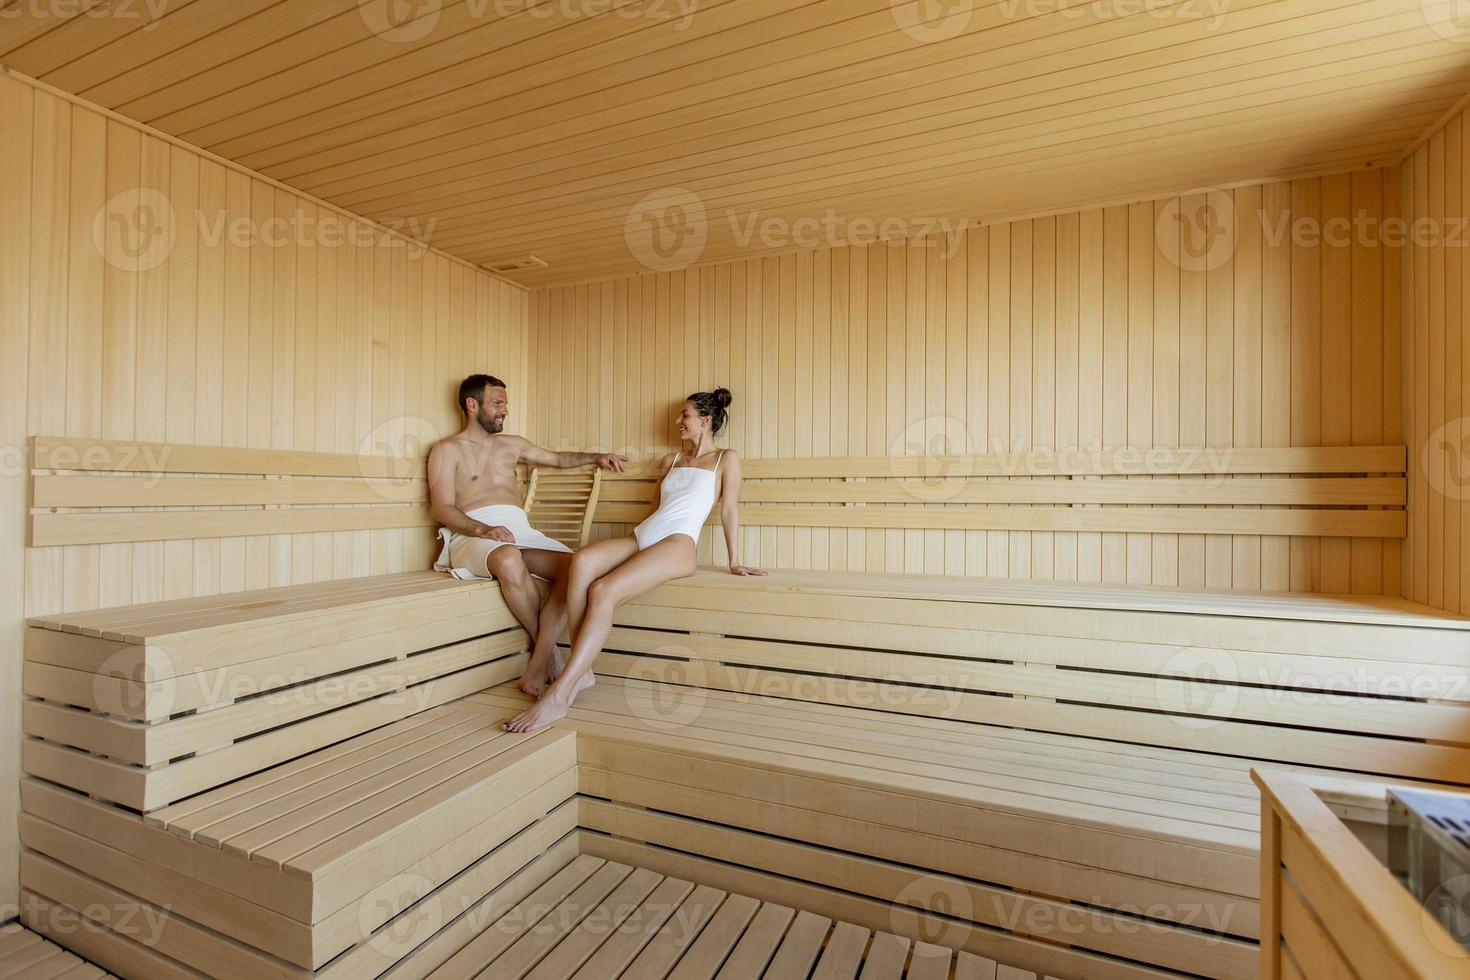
x: 689, y: 422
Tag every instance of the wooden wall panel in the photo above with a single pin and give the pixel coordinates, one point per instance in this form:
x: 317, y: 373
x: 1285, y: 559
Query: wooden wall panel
x: 321, y: 343
x: 1076, y: 330
x: 1436, y: 367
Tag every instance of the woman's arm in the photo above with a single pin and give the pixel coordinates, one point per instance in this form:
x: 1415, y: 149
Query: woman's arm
x: 730, y: 512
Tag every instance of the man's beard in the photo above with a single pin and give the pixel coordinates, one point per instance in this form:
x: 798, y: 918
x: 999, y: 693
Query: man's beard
x: 490, y: 423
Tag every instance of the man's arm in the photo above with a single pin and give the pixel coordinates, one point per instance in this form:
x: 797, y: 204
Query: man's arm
x: 443, y: 503
x: 537, y: 456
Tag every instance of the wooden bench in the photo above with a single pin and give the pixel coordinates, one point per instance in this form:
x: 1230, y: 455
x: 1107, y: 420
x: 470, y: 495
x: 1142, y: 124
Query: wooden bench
x: 145, y: 705
x: 278, y: 874
x: 284, y: 767
x: 1052, y: 777
x: 1068, y: 763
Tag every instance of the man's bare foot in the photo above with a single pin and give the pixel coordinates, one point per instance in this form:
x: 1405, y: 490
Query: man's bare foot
x: 551, y: 708
x: 537, y: 677
x: 533, y: 682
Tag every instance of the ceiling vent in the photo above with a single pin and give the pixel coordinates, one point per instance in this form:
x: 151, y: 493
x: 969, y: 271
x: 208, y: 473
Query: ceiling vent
x: 505, y: 266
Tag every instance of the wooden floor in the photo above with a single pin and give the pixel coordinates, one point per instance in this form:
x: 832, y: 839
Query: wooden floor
x: 600, y: 920
x: 27, y: 956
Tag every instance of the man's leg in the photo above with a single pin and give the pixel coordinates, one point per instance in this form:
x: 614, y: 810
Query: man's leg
x: 543, y: 667
x: 521, y: 595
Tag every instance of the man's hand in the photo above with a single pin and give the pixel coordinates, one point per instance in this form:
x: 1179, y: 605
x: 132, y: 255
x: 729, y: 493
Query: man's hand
x: 612, y: 461
x: 494, y: 532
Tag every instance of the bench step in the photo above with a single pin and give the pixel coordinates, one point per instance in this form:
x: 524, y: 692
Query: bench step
x: 298, y: 861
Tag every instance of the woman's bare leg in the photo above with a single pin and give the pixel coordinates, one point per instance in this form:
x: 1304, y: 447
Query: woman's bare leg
x: 671, y: 558
x: 588, y: 565
x: 554, y: 566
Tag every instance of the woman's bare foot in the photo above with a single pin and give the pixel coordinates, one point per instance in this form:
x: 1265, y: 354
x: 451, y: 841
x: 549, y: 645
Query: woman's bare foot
x: 551, y: 708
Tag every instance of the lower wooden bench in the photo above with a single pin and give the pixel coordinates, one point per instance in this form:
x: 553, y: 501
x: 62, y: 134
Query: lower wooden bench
x: 306, y: 860
x: 1066, y: 856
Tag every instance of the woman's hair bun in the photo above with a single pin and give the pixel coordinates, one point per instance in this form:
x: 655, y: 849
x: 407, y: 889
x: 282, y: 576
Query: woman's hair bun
x: 713, y: 404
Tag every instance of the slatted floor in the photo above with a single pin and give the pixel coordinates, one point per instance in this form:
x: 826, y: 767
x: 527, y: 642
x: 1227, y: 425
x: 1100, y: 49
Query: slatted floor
x: 600, y: 920
x: 27, y: 956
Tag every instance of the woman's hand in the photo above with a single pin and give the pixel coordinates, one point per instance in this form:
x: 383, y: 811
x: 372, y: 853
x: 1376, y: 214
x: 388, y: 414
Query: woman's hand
x: 746, y: 570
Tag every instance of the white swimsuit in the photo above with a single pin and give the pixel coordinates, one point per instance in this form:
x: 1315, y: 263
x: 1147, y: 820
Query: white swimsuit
x: 687, y: 496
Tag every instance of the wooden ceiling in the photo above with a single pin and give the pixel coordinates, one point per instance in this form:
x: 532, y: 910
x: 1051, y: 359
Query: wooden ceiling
x: 562, y: 128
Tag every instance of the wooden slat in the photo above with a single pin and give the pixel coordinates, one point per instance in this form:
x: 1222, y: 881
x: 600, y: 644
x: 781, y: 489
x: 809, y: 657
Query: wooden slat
x: 49, y: 530
x: 647, y: 922
x: 1151, y: 520
x: 758, y: 943
x: 104, y: 455
x: 705, y: 955
x: 146, y: 790
x: 671, y: 942
x: 800, y: 946
x: 183, y: 491
x: 843, y: 954
x: 885, y: 959
x: 1146, y: 461
x: 1320, y: 492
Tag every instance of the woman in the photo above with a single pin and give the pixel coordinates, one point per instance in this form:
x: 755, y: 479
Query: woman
x: 607, y: 574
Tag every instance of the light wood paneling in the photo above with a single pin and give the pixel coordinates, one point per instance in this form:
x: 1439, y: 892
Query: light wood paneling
x: 227, y: 341
x: 538, y: 127
x: 1435, y: 182
x: 1079, y: 331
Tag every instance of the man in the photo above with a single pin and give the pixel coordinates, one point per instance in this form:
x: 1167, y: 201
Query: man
x: 474, y: 497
